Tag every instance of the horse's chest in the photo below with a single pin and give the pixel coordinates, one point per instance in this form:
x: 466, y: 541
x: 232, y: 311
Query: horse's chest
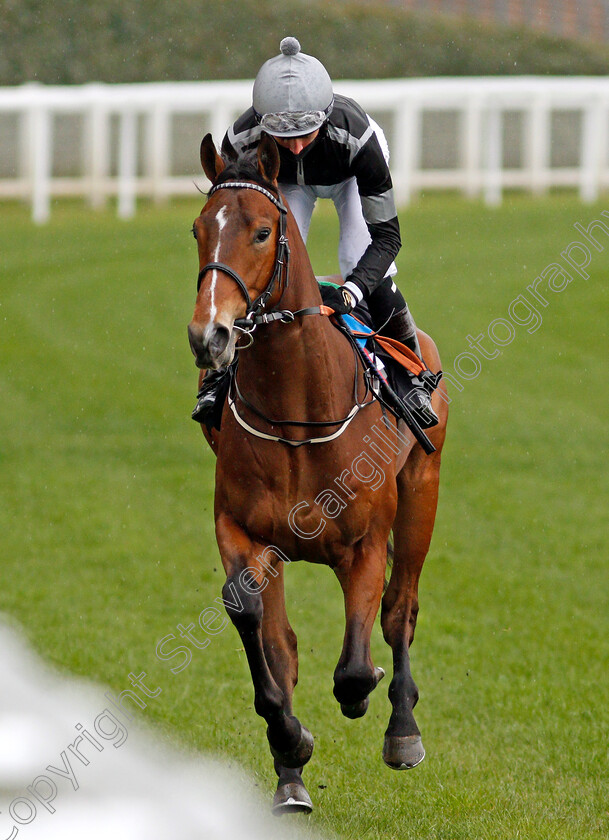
x: 315, y: 516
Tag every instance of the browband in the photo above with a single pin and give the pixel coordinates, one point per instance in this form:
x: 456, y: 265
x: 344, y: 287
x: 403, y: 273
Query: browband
x: 248, y: 185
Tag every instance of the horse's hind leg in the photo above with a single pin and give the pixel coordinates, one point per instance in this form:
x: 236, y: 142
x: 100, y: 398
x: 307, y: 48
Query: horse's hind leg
x: 417, y: 501
x: 362, y: 583
x: 280, y: 650
x: 246, y: 576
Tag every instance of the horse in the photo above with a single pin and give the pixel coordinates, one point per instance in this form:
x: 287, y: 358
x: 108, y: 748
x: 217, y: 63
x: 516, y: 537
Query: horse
x: 294, y: 479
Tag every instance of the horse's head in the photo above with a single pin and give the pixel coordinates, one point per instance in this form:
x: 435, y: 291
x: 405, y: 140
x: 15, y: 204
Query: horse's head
x: 237, y: 235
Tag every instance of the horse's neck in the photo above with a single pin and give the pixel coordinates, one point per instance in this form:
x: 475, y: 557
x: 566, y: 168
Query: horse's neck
x: 303, y: 369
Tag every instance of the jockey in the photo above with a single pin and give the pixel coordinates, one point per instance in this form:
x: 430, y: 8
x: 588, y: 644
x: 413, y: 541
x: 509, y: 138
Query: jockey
x: 330, y: 148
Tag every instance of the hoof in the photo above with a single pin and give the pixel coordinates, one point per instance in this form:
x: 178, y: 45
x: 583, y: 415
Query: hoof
x: 355, y: 710
x: 403, y: 752
x: 292, y: 798
x: 301, y: 753
x: 358, y: 710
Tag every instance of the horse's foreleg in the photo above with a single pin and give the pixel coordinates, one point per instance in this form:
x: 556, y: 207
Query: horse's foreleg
x: 246, y: 578
x: 417, y: 501
x: 280, y: 650
x: 362, y: 582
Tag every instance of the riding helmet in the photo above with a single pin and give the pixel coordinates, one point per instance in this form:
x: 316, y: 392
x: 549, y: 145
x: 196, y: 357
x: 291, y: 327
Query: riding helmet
x: 292, y: 92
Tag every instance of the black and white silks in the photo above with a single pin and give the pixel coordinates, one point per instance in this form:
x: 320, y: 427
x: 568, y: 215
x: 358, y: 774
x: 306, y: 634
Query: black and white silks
x: 346, y: 147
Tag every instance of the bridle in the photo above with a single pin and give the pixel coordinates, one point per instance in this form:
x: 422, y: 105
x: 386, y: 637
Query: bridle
x: 255, y: 316
x: 280, y: 273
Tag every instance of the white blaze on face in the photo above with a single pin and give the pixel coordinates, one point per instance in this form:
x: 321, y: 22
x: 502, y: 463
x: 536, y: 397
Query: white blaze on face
x: 221, y: 220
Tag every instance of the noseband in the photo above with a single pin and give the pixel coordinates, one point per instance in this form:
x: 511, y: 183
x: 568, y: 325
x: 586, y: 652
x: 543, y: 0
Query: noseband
x: 282, y: 257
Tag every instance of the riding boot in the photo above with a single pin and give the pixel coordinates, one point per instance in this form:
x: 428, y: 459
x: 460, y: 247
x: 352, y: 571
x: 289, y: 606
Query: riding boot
x: 210, y: 399
x: 402, y: 327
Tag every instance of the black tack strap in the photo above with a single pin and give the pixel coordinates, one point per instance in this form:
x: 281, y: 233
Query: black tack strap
x: 226, y: 269
x: 286, y: 316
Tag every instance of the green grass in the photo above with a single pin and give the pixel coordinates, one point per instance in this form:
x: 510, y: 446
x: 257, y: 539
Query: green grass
x: 108, y: 542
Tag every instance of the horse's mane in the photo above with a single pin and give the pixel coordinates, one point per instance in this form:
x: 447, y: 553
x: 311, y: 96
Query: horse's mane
x: 244, y: 168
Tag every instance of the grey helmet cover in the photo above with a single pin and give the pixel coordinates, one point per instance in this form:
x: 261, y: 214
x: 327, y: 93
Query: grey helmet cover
x: 292, y: 92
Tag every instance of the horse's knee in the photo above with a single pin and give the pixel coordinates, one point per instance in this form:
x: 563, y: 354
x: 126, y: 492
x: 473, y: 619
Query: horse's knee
x: 399, y: 619
x: 392, y: 618
x: 412, y: 621
x: 243, y: 606
x: 281, y: 652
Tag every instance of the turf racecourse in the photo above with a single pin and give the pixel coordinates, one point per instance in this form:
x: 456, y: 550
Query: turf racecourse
x: 107, y: 534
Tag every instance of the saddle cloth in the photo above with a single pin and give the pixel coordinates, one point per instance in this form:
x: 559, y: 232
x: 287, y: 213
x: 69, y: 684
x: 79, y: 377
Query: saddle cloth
x: 399, y: 371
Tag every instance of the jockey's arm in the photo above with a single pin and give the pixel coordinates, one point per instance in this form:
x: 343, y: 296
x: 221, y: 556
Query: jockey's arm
x: 378, y: 205
x: 373, y: 178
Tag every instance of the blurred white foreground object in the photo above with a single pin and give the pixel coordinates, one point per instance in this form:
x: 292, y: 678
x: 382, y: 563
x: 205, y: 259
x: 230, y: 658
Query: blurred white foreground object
x: 73, y: 766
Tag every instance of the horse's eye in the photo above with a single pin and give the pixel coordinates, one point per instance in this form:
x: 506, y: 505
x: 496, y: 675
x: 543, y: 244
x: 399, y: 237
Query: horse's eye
x: 194, y: 232
x: 263, y: 235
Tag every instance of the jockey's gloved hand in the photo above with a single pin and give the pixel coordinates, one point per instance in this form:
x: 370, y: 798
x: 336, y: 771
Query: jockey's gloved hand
x: 341, y: 300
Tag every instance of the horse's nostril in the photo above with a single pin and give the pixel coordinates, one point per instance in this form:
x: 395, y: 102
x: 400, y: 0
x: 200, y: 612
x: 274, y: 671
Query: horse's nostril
x: 194, y: 339
x: 218, y: 340
x: 207, y: 343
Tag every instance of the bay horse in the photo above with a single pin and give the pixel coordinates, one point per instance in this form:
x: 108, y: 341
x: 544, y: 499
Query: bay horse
x: 294, y: 479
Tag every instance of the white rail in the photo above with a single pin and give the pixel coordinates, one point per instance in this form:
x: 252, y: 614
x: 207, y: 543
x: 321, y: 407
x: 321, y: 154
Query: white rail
x: 125, y: 145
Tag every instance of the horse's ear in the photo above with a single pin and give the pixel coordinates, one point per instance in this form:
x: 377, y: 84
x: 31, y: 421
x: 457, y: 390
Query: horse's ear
x: 268, y: 158
x: 211, y: 161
